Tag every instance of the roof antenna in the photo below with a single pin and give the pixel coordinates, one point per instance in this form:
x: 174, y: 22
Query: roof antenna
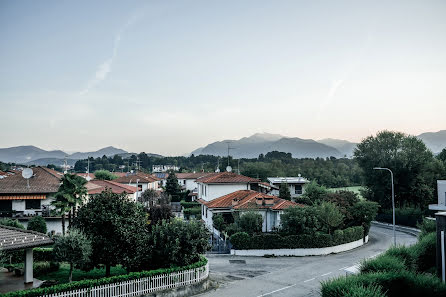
x: 229, y: 168
x: 218, y: 165
x: 88, y: 178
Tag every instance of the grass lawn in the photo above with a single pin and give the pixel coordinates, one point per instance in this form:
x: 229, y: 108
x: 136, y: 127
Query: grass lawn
x: 62, y: 274
x: 353, y: 189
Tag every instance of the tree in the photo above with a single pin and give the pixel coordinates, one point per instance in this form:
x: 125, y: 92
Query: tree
x: 74, y: 248
x: 149, y: 197
x: 344, y: 200
x: 250, y: 222
x: 104, y: 175
x: 362, y: 213
x: 284, y: 191
x: 172, y: 186
x: 330, y: 216
x: 37, y: 224
x: 300, y: 220
x: 315, y: 192
x: 413, y: 166
x: 442, y: 156
x: 218, y: 222
x: 115, y: 226
x: 159, y: 213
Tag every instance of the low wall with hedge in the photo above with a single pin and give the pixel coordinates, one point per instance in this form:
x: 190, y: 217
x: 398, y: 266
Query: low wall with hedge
x: 298, y: 245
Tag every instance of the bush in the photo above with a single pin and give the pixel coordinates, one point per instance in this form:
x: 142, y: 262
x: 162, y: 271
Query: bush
x: 250, y: 222
x: 195, y: 211
x: 241, y: 240
x: 361, y: 291
x: 44, y: 267
x: 43, y: 254
x: 37, y: 224
x: 185, y: 204
x: 104, y: 175
x: 382, y: 263
x: 300, y: 220
x: 11, y: 223
x: 407, y: 216
x: 426, y: 227
x: 394, y: 283
x: 403, y: 253
x: 424, y: 252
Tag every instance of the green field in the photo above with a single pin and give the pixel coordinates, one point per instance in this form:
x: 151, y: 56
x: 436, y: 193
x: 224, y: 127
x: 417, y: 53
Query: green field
x: 353, y: 189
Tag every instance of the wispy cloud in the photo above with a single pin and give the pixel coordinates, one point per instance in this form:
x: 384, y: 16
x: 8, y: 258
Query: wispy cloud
x: 105, y: 68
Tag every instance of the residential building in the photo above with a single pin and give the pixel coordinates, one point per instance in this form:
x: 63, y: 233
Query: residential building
x: 162, y: 176
x: 164, y: 168
x: 270, y: 207
x: 142, y: 181
x: 188, y: 181
x: 20, y: 197
x: 98, y: 186
x: 295, y: 184
x: 217, y: 184
x: 441, y: 190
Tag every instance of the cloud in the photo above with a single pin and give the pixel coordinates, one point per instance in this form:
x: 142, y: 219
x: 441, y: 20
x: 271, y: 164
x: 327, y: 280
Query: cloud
x: 105, y: 68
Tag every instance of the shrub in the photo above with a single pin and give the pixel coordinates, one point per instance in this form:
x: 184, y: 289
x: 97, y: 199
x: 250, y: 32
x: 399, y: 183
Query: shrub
x: 185, y: 204
x: 37, y: 224
x: 424, y: 252
x: 402, y: 253
x: 338, y: 237
x: 104, y: 174
x: 394, y: 283
x: 382, y: 263
x: 300, y: 220
x: 11, y: 223
x: 195, y: 211
x: 408, y: 216
x: 426, y: 227
x: 361, y: 291
x: 232, y: 228
x: 241, y: 240
x: 44, y: 267
x: 250, y: 222
x: 43, y: 254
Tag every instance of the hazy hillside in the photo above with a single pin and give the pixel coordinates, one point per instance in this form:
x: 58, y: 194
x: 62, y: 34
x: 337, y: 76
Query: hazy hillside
x: 345, y: 147
x: 23, y: 154
x: 55, y: 161
x: 435, y: 141
x: 108, y: 151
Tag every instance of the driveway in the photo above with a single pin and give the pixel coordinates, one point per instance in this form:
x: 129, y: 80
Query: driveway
x: 291, y: 276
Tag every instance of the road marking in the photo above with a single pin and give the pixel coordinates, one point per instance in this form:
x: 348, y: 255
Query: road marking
x: 343, y: 268
x: 326, y: 274
x: 308, y: 280
x: 278, y: 290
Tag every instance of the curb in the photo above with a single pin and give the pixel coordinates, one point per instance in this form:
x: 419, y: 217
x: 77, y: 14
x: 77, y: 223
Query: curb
x: 404, y: 229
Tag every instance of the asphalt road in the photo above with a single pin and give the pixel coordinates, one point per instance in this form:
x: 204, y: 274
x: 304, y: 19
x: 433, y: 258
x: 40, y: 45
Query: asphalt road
x: 291, y: 276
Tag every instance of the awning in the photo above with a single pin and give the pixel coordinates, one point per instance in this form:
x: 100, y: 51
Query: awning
x: 22, y: 197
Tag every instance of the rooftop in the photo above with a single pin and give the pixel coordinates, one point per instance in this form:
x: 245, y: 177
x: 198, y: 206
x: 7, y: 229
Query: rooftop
x: 16, y: 239
x: 288, y: 180
x: 248, y: 199
x: 191, y: 175
x: 132, y: 177
x: 226, y: 178
x: 43, y: 180
x: 98, y: 186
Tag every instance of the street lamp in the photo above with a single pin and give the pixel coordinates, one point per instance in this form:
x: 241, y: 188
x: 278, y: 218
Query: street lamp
x: 393, y: 201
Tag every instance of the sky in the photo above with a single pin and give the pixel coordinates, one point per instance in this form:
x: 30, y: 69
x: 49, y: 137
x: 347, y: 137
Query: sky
x: 168, y: 77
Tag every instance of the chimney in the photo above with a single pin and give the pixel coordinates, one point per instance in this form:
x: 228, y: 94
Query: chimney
x: 234, y: 202
x: 259, y: 200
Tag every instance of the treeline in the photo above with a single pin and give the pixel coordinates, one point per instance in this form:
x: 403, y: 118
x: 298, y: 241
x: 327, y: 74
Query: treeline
x: 330, y: 172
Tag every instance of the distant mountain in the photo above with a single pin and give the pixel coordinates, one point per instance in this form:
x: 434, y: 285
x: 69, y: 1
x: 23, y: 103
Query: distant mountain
x: 262, y: 143
x: 35, y: 156
x: 345, y: 147
x: 435, y: 141
x: 23, y: 154
x: 108, y: 151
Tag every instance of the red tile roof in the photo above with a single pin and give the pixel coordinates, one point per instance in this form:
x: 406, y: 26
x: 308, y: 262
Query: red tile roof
x: 132, y: 177
x: 192, y: 175
x: 226, y: 178
x: 84, y: 175
x: 98, y: 186
x: 43, y: 181
x: 248, y: 199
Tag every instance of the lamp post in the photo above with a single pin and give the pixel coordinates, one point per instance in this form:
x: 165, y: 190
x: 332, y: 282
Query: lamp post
x: 393, y: 200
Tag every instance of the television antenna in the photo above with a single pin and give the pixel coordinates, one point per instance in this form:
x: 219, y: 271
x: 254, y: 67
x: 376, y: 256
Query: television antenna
x: 229, y: 148
x: 27, y: 173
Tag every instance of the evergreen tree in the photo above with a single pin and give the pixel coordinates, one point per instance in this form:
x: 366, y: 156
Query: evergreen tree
x: 284, y: 191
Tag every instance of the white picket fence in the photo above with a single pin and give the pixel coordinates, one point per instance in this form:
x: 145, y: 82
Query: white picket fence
x: 141, y: 286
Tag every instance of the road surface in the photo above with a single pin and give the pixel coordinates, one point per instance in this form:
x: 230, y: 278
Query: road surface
x: 291, y: 276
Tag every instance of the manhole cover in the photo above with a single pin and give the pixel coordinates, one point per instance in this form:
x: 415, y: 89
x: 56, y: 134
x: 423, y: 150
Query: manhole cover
x: 237, y: 261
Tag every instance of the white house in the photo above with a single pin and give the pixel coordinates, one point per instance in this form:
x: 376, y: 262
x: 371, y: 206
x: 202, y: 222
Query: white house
x: 188, y: 181
x: 218, y: 184
x: 142, y: 181
x: 164, y: 168
x: 295, y: 184
x: 441, y: 189
x: 270, y: 207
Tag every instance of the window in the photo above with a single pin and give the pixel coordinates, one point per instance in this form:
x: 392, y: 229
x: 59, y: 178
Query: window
x: 298, y: 189
x: 32, y: 204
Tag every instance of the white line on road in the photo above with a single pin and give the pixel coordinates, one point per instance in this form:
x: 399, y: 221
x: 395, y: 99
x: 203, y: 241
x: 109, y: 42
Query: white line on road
x: 309, y: 280
x: 326, y: 274
x: 343, y: 268
x: 278, y: 290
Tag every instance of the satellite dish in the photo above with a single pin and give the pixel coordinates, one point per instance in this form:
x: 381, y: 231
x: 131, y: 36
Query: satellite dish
x: 27, y: 173
x: 228, y: 168
x: 88, y: 178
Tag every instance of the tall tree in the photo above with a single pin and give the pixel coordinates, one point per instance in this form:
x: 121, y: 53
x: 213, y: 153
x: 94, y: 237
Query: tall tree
x: 330, y: 216
x: 414, y: 168
x: 172, y: 186
x: 284, y: 191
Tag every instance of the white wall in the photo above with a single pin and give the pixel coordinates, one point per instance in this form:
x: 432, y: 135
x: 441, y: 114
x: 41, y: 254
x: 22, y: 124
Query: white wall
x: 209, y: 192
x: 441, y: 187
x: 20, y: 205
x: 292, y: 188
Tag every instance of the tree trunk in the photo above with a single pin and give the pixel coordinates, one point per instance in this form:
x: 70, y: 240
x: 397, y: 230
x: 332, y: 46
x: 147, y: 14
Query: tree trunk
x: 71, y: 273
x: 69, y: 219
x: 107, y: 270
x: 63, y: 223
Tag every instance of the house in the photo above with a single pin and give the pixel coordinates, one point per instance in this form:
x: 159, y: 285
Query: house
x: 188, y: 181
x: 295, y: 184
x: 20, y: 197
x: 140, y: 180
x: 164, y: 168
x: 162, y: 176
x: 87, y: 176
x: 217, y: 184
x: 98, y: 186
x: 270, y: 207
x: 441, y: 190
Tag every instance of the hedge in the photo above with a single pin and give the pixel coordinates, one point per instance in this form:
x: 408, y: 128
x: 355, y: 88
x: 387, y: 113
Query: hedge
x: 394, y: 283
x: 261, y: 241
x: 403, y: 216
x: 383, y: 263
x: 189, y: 204
x: 102, y: 281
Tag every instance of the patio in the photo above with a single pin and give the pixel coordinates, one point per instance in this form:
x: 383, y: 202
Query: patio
x: 9, y: 282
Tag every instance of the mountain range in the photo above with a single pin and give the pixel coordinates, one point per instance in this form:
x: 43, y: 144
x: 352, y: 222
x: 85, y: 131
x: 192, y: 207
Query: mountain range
x: 261, y: 143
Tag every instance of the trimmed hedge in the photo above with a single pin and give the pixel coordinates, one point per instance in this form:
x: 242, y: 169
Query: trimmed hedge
x: 382, y: 263
x: 394, y: 283
x: 263, y: 241
x: 102, y: 281
x: 187, y: 205
x: 403, y: 216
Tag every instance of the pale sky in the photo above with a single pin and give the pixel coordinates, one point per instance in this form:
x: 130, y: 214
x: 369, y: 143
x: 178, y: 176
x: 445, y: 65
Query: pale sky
x: 170, y: 76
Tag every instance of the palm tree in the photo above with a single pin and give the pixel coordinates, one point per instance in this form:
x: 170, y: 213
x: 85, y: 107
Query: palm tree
x: 62, y: 207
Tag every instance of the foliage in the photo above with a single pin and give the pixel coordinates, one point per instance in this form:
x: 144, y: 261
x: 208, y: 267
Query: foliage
x: 43, y: 254
x: 403, y: 253
x: 172, y: 187
x: 382, y: 263
x: 250, y: 222
x: 424, y: 252
x: 394, y: 283
x: 11, y: 223
x: 74, y: 248
x: 158, y: 213
x: 175, y: 243
x: 104, y: 175
x: 195, y: 211
x: 361, y: 291
x: 149, y: 198
x: 218, y: 222
x: 300, y: 220
x: 315, y: 192
x: 37, y: 224
x: 414, y: 167
x: 284, y: 191
x: 362, y: 214
x: 426, y: 226
x: 103, y: 281
x: 277, y: 241
x: 115, y: 226
x: 344, y: 200
x: 44, y: 267
x: 442, y: 156
x: 407, y: 216
x: 330, y: 216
